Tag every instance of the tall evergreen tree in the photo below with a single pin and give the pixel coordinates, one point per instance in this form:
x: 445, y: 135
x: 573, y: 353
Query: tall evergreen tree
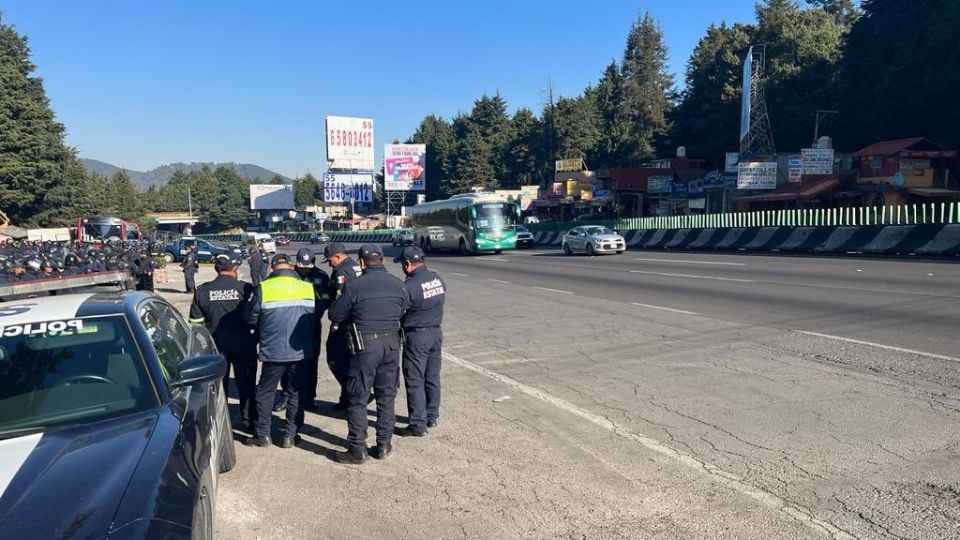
x: 473, y: 161
x: 490, y: 116
x: 647, y: 89
x: 34, y: 160
x: 707, y: 119
x: 437, y: 134
x: 901, y: 73
x: 610, y: 150
x: 523, y: 157
x: 577, y: 126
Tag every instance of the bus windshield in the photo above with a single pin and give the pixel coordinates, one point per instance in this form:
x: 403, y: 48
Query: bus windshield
x: 102, y: 230
x: 495, y: 216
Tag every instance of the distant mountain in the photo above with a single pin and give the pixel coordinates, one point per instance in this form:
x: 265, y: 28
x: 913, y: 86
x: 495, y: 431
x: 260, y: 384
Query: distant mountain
x: 161, y: 175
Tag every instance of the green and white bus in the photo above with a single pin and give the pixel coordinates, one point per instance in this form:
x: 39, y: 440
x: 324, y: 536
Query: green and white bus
x: 469, y: 223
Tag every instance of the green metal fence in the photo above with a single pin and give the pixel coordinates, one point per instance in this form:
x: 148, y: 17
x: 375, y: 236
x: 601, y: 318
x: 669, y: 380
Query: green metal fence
x: 909, y: 214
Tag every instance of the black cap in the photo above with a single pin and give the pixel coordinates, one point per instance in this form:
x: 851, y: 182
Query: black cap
x: 305, y: 257
x: 367, y: 251
x: 225, y: 261
x: 279, y: 258
x: 332, y: 249
x: 410, y: 254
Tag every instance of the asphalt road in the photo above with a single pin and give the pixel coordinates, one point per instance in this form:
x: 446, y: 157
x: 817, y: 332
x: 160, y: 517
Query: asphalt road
x: 655, y: 395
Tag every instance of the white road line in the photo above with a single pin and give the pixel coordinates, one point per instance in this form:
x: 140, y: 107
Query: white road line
x: 693, y: 262
x: 508, y: 361
x: 497, y: 280
x: 490, y: 259
x: 459, y: 274
x: 693, y: 276
x: 553, y: 290
x: 721, y: 476
x: 685, y: 312
x: 881, y: 346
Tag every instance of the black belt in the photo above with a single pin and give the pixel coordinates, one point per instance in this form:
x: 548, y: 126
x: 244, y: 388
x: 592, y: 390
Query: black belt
x: 369, y: 336
x: 419, y: 328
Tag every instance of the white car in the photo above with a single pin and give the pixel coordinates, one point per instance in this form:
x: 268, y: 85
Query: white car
x: 402, y: 237
x: 593, y: 240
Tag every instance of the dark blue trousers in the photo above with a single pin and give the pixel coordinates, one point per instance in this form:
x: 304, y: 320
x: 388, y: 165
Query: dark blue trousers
x: 377, y: 367
x: 421, y: 375
x: 338, y: 360
x: 270, y: 375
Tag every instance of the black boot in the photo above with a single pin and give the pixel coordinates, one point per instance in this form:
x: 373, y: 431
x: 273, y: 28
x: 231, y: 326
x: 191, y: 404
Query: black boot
x: 260, y: 442
x: 381, y: 451
x: 351, y: 457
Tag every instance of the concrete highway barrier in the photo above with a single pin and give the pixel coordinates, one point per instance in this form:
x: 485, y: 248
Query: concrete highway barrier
x: 930, y: 239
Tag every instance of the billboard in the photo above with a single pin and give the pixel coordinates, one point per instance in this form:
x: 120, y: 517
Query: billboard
x: 730, y: 162
x: 817, y: 160
x: 757, y: 175
x: 659, y: 184
x: 527, y: 195
x: 349, y: 143
x: 745, y: 98
x: 404, y: 167
x: 346, y: 187
x: 271, y: 197
x: 568, y: 165
x: 795, y: 168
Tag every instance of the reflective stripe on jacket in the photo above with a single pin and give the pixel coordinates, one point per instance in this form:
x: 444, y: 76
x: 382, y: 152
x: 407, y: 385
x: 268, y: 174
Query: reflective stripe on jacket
x: 284, y: 311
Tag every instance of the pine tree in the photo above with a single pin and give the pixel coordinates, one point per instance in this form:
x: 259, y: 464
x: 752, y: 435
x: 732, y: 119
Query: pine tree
x: 523, y: 156
x: 614, y: 124
x: 647, y: 89
x: 490, y: 116
x: 437, y: 134
x: 33, y: 157
x: 473, y: 160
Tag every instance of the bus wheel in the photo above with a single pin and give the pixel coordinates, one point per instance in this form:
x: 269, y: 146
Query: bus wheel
x: 497, y: 251
x: 463, y: 248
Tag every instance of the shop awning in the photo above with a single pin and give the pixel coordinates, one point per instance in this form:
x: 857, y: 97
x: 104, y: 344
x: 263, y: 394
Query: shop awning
x: 794, y: 192
x: 934, y: 192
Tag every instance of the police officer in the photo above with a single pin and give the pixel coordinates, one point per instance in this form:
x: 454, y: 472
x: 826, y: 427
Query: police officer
x: 343, y: 269
x: 306, y: 267
x: 144, y: 269
x: 283, y: 310
x: 308, y: 271
x: 370, y: 308
x: 190, y: 266
x: 256, y: 265
x: 219, y: 305
x: 423, y: 339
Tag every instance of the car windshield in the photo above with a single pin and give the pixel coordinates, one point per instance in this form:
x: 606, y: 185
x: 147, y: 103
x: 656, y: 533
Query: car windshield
x: 521, y: 228
x: 61, y: 372
x: 598, y: 230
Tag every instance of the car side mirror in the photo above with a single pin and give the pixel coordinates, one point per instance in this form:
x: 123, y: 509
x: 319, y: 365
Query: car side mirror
x: 201, y: 369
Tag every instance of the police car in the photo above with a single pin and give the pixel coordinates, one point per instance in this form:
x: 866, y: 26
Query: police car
x: 113, y: 419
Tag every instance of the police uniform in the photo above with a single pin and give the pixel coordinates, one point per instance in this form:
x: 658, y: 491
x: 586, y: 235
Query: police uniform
x: 283, y: 310
x: 256, y: 266
x: 338, y: 354
x: 219, y: 305
x: 371, y: 307
x: 423, y: 340
x: 321, y: 282
x: 189, y: 266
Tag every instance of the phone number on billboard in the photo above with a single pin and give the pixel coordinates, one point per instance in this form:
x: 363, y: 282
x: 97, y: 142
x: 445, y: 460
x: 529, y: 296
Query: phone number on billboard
x: 354, y: 139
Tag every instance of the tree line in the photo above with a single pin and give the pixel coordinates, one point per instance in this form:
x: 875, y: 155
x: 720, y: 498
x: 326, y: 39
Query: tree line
x: 891, y: 69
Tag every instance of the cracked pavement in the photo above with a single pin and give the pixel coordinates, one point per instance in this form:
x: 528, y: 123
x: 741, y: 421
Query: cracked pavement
x: 628, y: 422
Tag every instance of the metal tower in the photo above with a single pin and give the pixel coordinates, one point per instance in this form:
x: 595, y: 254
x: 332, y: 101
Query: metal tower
x: 758, y: 140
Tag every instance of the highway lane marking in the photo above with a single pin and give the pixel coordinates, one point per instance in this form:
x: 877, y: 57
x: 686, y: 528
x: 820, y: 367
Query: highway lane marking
x: 693, y: 262
x: 497, y: 280
x: 685, y: 312
x: 510, y: 361
x: 459, y: 274
x: 880, y: 346
x: 553, y: 290
x: 692, y: 276
x: 723, y: 477
x: 490, y: 259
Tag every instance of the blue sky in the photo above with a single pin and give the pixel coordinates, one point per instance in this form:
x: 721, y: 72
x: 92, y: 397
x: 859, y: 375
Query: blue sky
x: 140, y: 84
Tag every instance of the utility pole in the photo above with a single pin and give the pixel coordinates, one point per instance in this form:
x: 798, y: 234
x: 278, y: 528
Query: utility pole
x: 190, y: 200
